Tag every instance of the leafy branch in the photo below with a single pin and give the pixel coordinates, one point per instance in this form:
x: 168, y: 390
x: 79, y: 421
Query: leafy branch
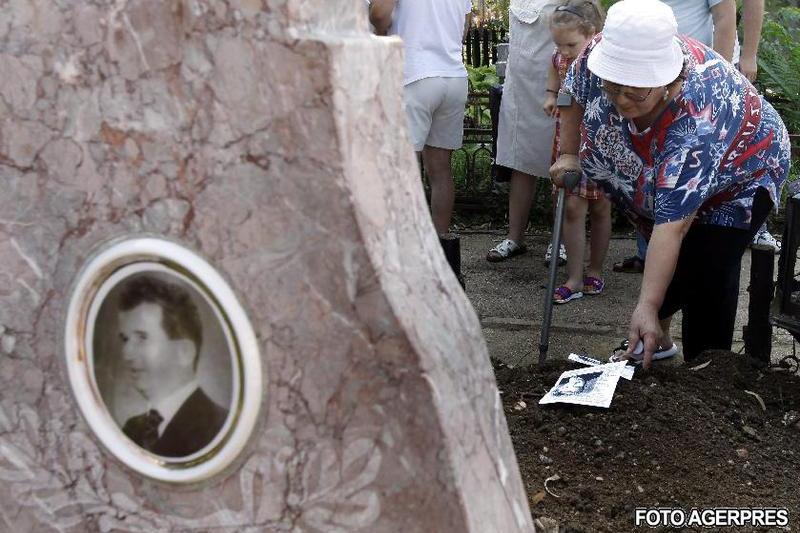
x: 779, y: 64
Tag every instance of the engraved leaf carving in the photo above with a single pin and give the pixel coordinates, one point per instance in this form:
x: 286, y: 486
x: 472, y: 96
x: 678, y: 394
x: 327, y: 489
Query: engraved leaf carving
x: 338, y: 498
x: 62, y: 478
x: 264, y: 475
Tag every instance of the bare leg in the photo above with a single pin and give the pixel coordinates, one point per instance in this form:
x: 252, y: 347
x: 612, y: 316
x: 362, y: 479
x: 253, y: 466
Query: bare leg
x: 600, y: 218
x: 437, y: 163
x: 519, y: 204
x: 574, y: 235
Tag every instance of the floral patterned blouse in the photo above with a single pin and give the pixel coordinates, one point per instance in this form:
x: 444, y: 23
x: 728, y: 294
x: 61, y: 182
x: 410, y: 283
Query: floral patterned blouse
x: 715, y: 144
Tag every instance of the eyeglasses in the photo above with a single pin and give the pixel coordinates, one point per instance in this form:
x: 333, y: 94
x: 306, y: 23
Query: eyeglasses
x: 612, y: 89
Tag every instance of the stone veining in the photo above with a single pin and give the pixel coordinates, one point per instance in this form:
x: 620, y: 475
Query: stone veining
x: 261, y: 134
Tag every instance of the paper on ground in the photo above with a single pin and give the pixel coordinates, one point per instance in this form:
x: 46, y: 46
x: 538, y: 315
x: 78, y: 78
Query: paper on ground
x: 627, y: 373
x: 593, y: 386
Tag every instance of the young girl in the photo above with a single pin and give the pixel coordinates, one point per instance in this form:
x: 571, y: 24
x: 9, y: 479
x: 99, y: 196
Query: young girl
x: 572, y: 26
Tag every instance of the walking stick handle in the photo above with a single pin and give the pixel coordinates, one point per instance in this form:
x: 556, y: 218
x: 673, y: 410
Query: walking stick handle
x: 571, y: 179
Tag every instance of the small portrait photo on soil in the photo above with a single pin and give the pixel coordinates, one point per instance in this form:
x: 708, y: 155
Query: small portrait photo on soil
x: 592, y: 386
x: 162, y: 361
x: 575, y: 385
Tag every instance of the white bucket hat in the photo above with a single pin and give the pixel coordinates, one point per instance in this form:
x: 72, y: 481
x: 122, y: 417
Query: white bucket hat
x: 639, y: 47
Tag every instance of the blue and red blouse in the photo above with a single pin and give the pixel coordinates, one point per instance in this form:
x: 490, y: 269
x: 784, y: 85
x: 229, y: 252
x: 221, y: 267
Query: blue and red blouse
x: 708, y: 152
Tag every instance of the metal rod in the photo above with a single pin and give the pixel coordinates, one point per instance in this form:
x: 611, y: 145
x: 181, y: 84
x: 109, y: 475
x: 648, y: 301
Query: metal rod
x: 570, y: 180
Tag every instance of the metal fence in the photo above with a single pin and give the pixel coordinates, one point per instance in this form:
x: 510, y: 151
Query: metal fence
x: 472, y: 163
x: 480, y: 45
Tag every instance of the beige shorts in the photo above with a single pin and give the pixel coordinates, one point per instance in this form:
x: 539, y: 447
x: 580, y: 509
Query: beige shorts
x: 435, y: 110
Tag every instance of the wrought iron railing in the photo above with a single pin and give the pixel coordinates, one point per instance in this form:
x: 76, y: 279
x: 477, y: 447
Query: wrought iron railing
x: 472, y: 163
x: 480, y: 45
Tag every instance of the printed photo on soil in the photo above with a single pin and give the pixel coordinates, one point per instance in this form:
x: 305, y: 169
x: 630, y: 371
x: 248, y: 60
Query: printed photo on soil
x: 575, y: 385
x: 593, y: 386
x: 627, y: 371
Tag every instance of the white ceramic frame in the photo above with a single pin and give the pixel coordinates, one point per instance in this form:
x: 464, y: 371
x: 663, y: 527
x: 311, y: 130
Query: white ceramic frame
x: 102, y: 272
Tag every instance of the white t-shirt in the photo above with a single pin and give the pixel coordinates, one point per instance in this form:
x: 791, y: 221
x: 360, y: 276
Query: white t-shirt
x: 695, y: 20
x: 432, y: 33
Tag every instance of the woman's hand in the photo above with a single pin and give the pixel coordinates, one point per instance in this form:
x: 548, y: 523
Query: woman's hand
x: 549, y: 106
x: 662, y: 256
x: 645, y: 327
x: 564, y: 163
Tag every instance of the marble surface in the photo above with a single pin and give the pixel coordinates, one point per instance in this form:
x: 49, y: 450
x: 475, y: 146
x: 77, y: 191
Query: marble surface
x: 266, y: 136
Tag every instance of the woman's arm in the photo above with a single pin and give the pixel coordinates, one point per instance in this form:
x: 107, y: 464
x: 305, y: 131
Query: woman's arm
x: 570, y: 139
x: 570, y: 132
x: 662, y: 256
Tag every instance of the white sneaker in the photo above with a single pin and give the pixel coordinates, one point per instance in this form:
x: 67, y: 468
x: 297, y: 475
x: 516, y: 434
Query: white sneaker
x: 562, y: 255
x: 505, y: 250
x: 619, y: 353
x: 763, y: 240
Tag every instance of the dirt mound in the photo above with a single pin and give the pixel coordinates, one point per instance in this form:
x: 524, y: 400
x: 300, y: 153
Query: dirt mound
x: 673, y: 437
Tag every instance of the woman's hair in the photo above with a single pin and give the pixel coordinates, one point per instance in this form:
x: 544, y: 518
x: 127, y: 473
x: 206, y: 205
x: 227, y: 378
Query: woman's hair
x: 586, y: 15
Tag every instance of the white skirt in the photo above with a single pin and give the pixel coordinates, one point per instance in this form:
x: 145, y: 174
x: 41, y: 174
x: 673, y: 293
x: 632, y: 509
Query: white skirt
x: 525, y: 133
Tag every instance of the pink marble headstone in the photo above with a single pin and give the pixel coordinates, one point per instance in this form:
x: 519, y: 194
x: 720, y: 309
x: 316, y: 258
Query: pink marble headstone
x: 268, y: 137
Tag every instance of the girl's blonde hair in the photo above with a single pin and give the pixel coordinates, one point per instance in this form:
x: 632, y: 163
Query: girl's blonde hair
x: 587, y: 15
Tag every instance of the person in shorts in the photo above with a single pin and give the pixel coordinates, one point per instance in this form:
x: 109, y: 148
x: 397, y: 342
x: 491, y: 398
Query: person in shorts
x: 434, y: 85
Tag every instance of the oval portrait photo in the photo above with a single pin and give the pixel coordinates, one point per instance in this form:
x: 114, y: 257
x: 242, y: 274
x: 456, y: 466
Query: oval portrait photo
x: 163, y: 360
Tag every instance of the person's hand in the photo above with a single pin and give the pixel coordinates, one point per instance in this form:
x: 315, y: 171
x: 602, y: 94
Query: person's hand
x: 749, y: 67
x: 549, y: 106
x: 646, y: 327
x: 564, y: 163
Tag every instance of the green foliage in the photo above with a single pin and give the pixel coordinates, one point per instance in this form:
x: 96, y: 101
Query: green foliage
x: 496, y: 10
x: 481, y: 79
x: 793, y: 176
x: 779, y: 64
x: 471, y: 160
x: 772, y: 5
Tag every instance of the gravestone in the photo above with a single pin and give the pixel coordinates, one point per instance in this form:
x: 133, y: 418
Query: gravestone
x: 266, y: 138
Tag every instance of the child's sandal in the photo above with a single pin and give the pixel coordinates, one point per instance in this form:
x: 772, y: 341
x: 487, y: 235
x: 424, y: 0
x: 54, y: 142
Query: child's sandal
x: 593, y: 286
x: 564, y: 294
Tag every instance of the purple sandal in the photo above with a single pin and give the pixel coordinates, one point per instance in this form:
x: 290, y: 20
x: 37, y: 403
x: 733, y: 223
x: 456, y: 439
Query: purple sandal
x: 593, y: 286
x: 563, y: 294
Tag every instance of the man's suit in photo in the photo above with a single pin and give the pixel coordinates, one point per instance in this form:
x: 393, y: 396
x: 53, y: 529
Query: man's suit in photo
x: 192, y: 428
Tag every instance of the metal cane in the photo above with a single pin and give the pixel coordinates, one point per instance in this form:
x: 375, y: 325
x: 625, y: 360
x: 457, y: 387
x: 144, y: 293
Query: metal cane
x: 571, y: 179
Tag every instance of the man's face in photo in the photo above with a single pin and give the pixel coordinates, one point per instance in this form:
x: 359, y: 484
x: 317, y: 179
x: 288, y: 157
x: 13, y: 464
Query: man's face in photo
x: 150, y: 355
x: 573, y: 386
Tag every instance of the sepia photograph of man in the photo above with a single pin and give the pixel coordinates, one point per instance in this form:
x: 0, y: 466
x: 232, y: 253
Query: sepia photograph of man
x: 160, y: 334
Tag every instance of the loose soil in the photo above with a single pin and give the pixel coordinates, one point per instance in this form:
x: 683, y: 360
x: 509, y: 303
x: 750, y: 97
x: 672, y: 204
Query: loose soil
x: 673, y: 437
